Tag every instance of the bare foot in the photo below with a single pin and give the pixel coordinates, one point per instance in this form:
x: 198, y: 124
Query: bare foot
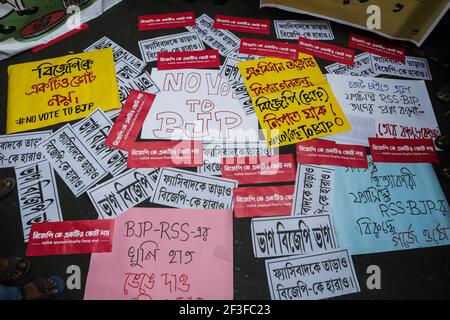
x: 18, y: 271
x: 40, y: 289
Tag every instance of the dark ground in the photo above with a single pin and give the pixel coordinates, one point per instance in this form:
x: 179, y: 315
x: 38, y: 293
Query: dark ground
x: 411, y: 274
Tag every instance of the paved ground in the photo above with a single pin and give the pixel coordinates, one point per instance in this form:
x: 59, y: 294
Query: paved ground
x: 412, y: 274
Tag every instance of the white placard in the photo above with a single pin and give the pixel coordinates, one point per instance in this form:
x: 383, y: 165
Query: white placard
x: 362, y: 67
x: 413, y: 67
x: 309, y: 29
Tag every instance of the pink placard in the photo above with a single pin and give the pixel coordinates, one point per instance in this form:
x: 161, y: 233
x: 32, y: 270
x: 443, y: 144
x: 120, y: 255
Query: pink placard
x: 163, y: 254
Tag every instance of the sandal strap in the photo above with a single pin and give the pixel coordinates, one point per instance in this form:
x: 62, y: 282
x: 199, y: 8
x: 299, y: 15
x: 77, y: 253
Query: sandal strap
x: 13, y: 262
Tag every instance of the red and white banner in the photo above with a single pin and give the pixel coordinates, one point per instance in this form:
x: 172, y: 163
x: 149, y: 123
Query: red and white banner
x: 326, y: 51
x: 266, y: 48
x: 240, y: 24
x: 166, y: 21
x: 263, y: 169
x: 129, y: 122
x: 383, y: 49
x: 263, y: 201
x: 157, y: 154
x: 188, y: 60
x: 403, y: 150
x: 70, y: 237
x: 324, y: 152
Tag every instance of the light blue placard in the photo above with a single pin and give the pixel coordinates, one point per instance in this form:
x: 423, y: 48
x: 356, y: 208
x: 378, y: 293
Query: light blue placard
x: 390, y: 206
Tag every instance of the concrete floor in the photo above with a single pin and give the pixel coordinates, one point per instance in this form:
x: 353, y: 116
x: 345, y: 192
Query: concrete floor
x: 411, y: 274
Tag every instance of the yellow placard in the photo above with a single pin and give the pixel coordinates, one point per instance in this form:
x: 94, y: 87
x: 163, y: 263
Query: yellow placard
x: 269, y: 75
x: 47, y: 92
x: 292, y: 116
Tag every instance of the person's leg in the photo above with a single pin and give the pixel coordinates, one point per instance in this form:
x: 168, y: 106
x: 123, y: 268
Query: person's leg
x: 42, y: 288
x: 10, y: 293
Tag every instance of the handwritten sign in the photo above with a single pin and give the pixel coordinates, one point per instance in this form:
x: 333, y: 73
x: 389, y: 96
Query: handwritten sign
x: 312, y: 277
x: 412, y: 67
x: 223, y: 41
x: 21, y: 148
x: 264, y: 169
x: 403, y: 150
x: 197, y: 105
x: 270, y: 201
x: 309, y: 29
x: 157, y: 154
x: 185, y: 189
x: 361, y: 66
x: 390, y: 206
x: 48, y: 92
x: 38, y: 195
x: 314, y: 189
x: 125, y: 191
x: 324, y: 152
x: 266, y: 48
x: 166, y: 21
x: 188, y: 59
x: 72, y: 160
x: 93, y: 131
x: 274, y: 237
x: 70, y: 237
x: 240, y: 24
x: 377, y: 47
x: 186, y: 41
x: 326, y: 51
x: 214, y: 152
x: 166, y: 254
x: 397, y: 108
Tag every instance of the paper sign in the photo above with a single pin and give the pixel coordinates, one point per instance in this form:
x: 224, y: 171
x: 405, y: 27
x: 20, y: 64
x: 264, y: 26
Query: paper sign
x: 275, y: 237
x: 397, y: 108
x: 266, y: 48
x: 413, y: 67
x: 326, y: 51
x: 361, y: 67
x: 72, y: 160
x: 70, y: 237
x: 129, y: 122
x: 188, y: 59
x: 374, y: 46
x: 166, y: 21
x: 125, y: 191
x: 252, y: 170
x: 309, y: 29
x: 314, y: 189
x: 222, y: 40
x: 93, y: 131
x: 38, y: 195
x: 230, y: 71
x: 312, y: 277
x: 185, y: 41
x: 390, y: 206
x: 185, y: 189
x: 241, y: 94
x: 263, y: 201
x: 240, y: 24
x: 157, y: 154
x: 403, y: 150
x: 197, y: 105
x: 163, y: 254
x: 214, y: 152
x: 48, y: 92
x: 128, y: 83
x: 20, y: 149
x: 120, y: 54
x: 325, y: 152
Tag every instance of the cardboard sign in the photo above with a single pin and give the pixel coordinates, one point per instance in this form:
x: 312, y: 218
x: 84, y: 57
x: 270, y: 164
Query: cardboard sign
x: 324, y: 152
x: 326, y: 51
x: 252, y: 170
x: 70, y: 237
x: 166, y: 21
x: 48, y: 92
x: 263, y: 201
x: 265, y: 48
x: 377, y: 47
x: 188, y: 59
x: 240, y: 24
x: 166, y: 254
x: 403, y: 150
x: 129, y: 122
x: 165, y: 154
